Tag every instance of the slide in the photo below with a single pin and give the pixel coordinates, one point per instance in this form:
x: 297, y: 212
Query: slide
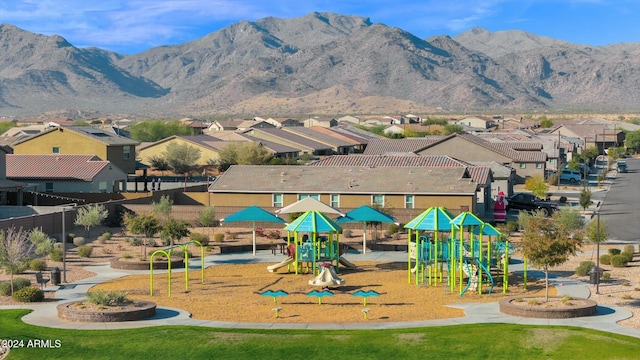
x: 327, y: 278
x: 285, y: 262
x: 347, y: 263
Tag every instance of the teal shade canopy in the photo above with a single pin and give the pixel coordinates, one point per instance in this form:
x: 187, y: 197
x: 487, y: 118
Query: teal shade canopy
x: 432, y: 219
x: 466, y: 219
x: 253, y: 213
x: 313, y: 222
x: 486, y: 229
x: 365, y: 213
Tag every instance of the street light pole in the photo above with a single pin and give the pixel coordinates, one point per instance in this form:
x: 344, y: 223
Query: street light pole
x: 64, y: 249
x: 598, y: 257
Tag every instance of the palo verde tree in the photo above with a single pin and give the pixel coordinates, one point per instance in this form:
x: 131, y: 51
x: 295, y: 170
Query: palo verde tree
x: 91, y: 215
x: 242, y: 153
x: 207, y: 218
x: 174, y: 230
x: 142, y: 224
x: 585, y: 199
x: 42, y: 243
x: 163, y: 208
x: 537, y: 186
x: 159, y: 163
x: 596, y: 232
x: 547, y: 242
x: 15, y: 249
x: 182, y: 158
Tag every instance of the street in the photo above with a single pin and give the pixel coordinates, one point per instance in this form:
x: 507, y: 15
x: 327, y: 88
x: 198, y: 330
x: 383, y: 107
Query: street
x: 620, y: 209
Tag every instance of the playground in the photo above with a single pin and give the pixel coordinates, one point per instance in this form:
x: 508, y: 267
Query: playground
x: 232, y: 292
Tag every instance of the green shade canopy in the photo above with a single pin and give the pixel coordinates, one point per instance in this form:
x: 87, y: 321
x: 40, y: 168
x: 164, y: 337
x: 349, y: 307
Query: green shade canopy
x: 466, y: 219
x: 486, y: 229
x: 433, y: 219
x: 313, y: 222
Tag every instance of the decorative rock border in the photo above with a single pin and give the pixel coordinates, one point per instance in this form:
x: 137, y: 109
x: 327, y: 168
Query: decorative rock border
x: 142, y: 310
x: 586, y: 308
x: 144, y: 265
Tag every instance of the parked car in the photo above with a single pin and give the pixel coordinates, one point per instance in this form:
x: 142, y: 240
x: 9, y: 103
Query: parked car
x: 572, y: 176
x: 530, y: 202
x: 622, y: 166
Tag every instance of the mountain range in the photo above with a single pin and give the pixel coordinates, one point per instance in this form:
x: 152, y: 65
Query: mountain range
x: 321, y: 63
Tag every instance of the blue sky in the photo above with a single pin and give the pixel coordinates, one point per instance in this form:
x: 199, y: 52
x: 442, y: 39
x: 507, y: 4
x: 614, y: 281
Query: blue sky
x: 132, y: 26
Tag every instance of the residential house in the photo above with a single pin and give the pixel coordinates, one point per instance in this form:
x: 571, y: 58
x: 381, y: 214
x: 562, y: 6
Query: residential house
x: 356, y: 143
x: 208, y: 146
x: 283, y: 122
x: 82, y: 140
x: 592, y: 135
x: 410, y: 191
x: 481, y: 175
x: 278, y: 150
x: 66, y: 173
x: 238, y: 125
x: 9, y: 186
x: 382, y: 145
x: 318, y: 121
x: 339, y: 145
x: 287, y: 138
x: 349, y: 119
x: 476, y: 122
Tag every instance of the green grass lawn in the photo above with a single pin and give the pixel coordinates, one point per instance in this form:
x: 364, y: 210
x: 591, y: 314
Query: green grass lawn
x: 479, y: 341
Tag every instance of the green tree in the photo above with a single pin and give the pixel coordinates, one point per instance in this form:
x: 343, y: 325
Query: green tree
x: 154, y: 130
x: 159, y: 163
x: 174, y: 230
x: 207, y: 218
x: 242, y: 153
x: 15, y: 249
x: 142, y: 224
x: 590, y: 153
x: 163, y: 208
x: 585, y: 199
x: 546, y: 123
x: 452, y: 129
x: 182, y: 158
x: 545, y: 244
x: 569, y: 220
x: 594, y: 235
x: 537, y: 186
x: 632, y: 141
x: 6, y: 125
x: 91, y: 215
x: 42, y: 243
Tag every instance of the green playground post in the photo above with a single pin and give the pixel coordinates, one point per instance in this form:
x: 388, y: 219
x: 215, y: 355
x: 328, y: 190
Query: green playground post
x: 505, y: 264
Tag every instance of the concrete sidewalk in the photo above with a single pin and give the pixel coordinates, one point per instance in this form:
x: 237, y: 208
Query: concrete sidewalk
x: 45, y: 314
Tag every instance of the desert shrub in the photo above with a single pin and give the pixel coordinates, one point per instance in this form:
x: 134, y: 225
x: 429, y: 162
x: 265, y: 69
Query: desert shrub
x: 584, y: 268
x: 127, y: 256
x: 203, y: 239
x: 346, y: 233
x: 619, y: 261
x: 629, y: 248
x: 85, y: 251
x: 605, y: 259
x: 273, y: 234
x: 512, y: 226
x: 78, y: 241
x: 563, y: 199
x: 606, y: 275
x: 101, y: 240
x: 219, y: 237
x: 134, y: 241
x: 393, y: 228
x: 56, y: 255
x: 230, y: 235
x: 18, y: 283
x: 627, y: 255
x: 107, y: 298
x: 28, y: 294
x: 37, y: 265
x: 106, y: 235
x: 614, y: 251
x: 107, y: 251
x: 70, y: 237
x: 552, y: 179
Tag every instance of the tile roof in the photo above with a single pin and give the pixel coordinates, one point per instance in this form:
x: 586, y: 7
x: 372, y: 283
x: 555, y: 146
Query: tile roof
x: 54, y: 166
x: 277, y: 148
x: 385, y: 145
x: 479, y: 174
x: 313, y: 133
x: 289, y: 136
x: 94, y: 133
x: 343, y: 180
x: 352, y: 131
x: 516, y: 156
x: 351, y: 140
